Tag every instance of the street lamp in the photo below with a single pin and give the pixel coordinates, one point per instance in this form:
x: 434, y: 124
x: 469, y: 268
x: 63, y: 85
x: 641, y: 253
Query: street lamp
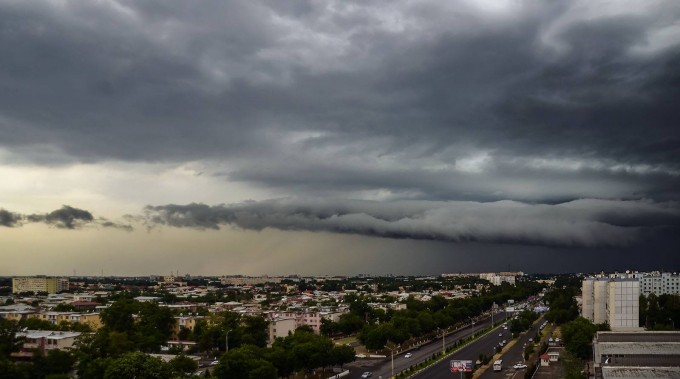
x: 392, y: 353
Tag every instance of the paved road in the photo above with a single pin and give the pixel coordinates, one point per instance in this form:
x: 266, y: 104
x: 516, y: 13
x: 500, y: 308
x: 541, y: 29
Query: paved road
x: 514, y: 355
x: 484, y: 345
x: 382, y: 367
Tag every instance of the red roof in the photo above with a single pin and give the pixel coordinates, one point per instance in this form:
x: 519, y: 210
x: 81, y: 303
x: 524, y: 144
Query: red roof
x: 545, y: 356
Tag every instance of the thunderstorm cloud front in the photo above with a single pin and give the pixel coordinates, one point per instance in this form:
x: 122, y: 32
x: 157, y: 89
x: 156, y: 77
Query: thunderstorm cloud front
x: 476, y: 127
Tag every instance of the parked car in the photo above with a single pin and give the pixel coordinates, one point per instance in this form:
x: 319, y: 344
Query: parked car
x: 408, y: 355
x: 367, y: 374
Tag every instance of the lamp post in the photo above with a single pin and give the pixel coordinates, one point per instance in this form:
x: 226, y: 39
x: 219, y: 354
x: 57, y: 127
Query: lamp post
x: 392, y: 354
x: 226, y: 345
x: 443, y: 341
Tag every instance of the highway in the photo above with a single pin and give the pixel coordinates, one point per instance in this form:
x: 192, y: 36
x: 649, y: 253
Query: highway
x: 382, y: 367
x: 514, y: 355
x: 484, y: 345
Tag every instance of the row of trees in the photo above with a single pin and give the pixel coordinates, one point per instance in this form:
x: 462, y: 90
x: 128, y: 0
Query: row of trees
x: 300, y: 351
x: 660, y: 313
x: 423, y: 318
x: 523, y: 321
x: 578, y: 335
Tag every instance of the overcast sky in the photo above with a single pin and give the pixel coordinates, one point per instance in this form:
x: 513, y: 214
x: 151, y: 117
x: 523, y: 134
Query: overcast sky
x: 338, y: 137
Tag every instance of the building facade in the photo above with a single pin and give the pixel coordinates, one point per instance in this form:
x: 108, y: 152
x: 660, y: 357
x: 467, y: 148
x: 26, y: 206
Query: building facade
x: 612, y: 301
x: 660, y: 283
x: 47, y: 284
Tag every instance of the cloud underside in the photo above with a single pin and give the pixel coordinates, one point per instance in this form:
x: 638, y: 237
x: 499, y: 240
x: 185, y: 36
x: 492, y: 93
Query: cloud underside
x: 578, y: 223
x: 338, y: 97
x: 583, y: 223
x: 66, y: 217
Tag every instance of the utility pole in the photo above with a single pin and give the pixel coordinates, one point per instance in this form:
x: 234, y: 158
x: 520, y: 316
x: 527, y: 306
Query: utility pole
x: 226, y: 345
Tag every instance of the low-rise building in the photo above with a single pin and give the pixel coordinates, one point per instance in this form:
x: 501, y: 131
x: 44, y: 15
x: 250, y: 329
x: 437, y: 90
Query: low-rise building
x: 281, y: 327
x: 44, y: 341
x: 637, y: 354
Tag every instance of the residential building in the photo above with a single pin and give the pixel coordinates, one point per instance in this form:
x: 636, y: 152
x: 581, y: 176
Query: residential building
x: 44, y: 341
x: 49, y: 284
x: 659, y: 283
x: 184, y: 322
x: 611, y: 301
x: 281, y: 327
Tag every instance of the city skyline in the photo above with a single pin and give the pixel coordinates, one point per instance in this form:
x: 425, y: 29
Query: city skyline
x: 339, y: 137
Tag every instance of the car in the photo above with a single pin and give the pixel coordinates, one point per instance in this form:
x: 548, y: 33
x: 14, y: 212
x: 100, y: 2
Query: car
x: 214, y: 363
x: 504, y: 342
x: 519, y: 366
x: 531, y: 340
x: 361, y: 355
x: 367, y: 374
x: 408, y: 355
x: 500, y: 334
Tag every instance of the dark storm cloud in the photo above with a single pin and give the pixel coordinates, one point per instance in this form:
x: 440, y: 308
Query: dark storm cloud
x: 8, y: 218
x: 66, y: 217
x: 580, y: 223
x: 260, y: 83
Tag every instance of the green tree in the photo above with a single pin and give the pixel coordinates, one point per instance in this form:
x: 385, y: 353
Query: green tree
x: 183, y: 364
x: 9, y: 342
x: 243, y: 363
x: 139, y: 366
x: 118, y: 317
x: 577, y: 336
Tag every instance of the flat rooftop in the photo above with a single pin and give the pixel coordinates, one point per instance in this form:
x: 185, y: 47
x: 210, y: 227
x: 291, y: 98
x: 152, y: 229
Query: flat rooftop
x: 640, y: 372
x: 669, y: 336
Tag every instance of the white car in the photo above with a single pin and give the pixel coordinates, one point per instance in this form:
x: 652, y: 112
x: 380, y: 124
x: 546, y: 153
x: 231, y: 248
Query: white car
x: 367, y: 374
x: 519, y: 366
x: 500, y: 334
x: 408, y: 355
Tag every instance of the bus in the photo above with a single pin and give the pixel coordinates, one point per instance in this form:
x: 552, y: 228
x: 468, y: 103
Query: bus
x: 498, y: 365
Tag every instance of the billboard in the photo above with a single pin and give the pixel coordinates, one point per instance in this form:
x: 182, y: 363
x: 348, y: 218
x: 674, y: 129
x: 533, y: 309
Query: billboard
x: 461, y: 366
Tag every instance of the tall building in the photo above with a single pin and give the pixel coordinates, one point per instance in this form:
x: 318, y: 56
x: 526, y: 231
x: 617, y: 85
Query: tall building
x: 623, y: 305
x: 49, y: 284
x: 612, y: 301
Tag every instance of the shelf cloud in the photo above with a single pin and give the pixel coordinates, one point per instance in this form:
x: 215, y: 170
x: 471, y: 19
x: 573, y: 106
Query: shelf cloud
x: 582, y: 223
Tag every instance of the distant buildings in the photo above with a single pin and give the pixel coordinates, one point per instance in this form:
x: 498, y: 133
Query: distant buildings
x: 49, y: 284
x: 655, y: 282
x: 498, y: 278
x: 612, y: 301
x: 660, y: 284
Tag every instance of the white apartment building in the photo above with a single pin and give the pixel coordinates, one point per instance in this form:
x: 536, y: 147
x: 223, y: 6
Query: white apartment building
x: 497, y: 280
x: 614, y: 301
x: 659, y: 283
